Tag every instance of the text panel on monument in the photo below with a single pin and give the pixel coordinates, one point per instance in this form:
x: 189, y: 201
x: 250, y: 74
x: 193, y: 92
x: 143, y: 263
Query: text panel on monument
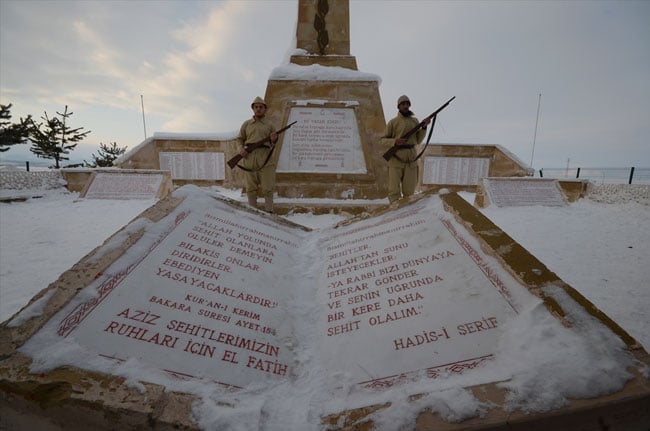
x: 410, y: 293
x: 198, y: 302
x: 324, y: 140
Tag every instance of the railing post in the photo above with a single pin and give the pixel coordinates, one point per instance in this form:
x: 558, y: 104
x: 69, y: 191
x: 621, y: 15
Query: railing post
x: 27, y: 166
x: 631, y: 175
x: 541, y: 174
x: 578, y: 173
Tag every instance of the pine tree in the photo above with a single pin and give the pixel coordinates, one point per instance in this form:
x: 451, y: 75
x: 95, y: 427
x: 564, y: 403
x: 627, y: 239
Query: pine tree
x: 12, y: 133
x: 107, y: 155
x: 55, y: 139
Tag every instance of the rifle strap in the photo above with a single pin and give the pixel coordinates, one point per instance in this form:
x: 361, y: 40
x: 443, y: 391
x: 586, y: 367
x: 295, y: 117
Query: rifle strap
x: 433, y: 123
x: 268, y: 157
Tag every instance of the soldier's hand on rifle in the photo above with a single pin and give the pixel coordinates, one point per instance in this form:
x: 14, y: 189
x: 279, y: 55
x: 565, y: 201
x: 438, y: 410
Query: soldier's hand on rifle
x: 243, y: 153
x: 400, y: 141
x: 274, y: 137
x: 426, y: 122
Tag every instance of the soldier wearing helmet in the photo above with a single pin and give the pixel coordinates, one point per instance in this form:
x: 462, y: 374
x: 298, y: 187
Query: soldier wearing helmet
x: 259, y: 169
x: 403, y: 166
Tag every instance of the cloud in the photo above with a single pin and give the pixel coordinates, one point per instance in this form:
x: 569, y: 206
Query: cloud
x: 102, y: 57
x: 199, y: 64
x: 207, y: 38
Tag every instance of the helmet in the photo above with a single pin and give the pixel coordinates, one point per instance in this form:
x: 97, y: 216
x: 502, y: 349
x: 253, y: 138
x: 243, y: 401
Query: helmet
x: 258, y: 99
x: 403, y: 99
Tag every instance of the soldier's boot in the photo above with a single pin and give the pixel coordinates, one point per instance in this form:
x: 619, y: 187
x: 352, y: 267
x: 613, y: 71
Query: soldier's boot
x: 252, y: 200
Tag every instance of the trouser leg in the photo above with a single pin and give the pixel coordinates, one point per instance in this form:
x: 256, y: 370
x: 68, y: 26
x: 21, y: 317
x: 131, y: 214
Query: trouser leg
x: 251, y: 188
x: 394, y: 183
x: 252, y: 199
x: 267, y: 184
x: 410, y: 180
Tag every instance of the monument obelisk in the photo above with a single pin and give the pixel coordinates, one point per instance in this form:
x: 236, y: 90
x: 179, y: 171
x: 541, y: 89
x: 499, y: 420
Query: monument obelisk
x: 333, y: 150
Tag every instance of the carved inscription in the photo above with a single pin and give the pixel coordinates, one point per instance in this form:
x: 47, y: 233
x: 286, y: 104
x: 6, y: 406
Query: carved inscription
x: 324, y: 140
x: 124, y: 186
x: 206, y: 294
x: 387, y: 290
x: 455, y: 170
x: 201, y: 298
x: 194, y: 165
x: 523, y: 192
x: 403, y: 295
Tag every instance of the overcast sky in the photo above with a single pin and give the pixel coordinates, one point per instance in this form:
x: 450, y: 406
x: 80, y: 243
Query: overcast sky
x: 199, y: 64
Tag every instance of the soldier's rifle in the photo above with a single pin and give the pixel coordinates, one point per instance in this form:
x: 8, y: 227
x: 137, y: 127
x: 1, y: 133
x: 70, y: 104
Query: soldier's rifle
x: 255, y: 145
x: 392, y: 150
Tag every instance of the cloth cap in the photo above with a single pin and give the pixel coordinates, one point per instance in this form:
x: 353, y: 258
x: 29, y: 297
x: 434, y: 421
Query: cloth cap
x: 258, y: 99
x: 403, y: 99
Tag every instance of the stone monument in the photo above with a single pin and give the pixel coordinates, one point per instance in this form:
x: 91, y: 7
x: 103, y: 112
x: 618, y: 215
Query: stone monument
x: 332, y: 152
x: 200, y: 298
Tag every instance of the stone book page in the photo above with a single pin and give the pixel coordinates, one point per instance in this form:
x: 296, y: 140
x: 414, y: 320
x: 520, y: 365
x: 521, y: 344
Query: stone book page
x: 200, y: 296
x: 411, y: 294
x: 212, y: 291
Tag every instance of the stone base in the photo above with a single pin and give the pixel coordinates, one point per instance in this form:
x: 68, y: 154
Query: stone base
x: 624, y: 411
x: 346, y: 61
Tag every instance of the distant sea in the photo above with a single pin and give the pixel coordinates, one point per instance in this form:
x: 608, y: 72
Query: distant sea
x: 40, y: 164
x: 17, y: 155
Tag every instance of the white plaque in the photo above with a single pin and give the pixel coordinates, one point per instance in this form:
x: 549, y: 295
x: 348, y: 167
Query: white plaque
x: 324, y: 140
x: 394, y: 307
x: 197, y: 300
x: 455, y: 170
x: 505, y: 192
x: 124, y: 186
x: 194, y: 165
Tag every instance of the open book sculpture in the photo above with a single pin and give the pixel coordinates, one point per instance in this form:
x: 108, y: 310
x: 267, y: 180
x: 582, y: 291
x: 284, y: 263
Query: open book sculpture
x: 208, y: 297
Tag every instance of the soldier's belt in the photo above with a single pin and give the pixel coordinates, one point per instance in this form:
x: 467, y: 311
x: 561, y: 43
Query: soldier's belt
x: 247, y: 146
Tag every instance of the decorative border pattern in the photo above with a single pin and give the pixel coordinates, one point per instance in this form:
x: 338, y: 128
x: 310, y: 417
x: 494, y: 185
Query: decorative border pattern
x: 483, y: 266
x: 177, y: 374
x: 432, y: 372
x: 81, y: 311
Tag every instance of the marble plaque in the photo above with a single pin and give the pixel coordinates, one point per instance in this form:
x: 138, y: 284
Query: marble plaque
x: 505, y: 192
x: 410, y: 294
x: 455, y: 170
x: 194, y: 165
x: 123, y: 186
x: 196, y: 299
x: 324, y: 140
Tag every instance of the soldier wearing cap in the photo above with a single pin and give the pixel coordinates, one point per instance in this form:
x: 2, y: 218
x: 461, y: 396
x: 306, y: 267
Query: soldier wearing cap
x: 403, y: 166
x: 259, y: 169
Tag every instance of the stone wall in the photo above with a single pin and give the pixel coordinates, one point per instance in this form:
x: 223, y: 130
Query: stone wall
x: 23, y: 180
x: 147, y: 156
x: 371, y: 185
x: 502, y: 163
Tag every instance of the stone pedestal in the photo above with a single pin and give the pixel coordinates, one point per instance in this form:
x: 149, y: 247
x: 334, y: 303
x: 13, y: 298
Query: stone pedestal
x: 359, y: 101
x: 338, y: 109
